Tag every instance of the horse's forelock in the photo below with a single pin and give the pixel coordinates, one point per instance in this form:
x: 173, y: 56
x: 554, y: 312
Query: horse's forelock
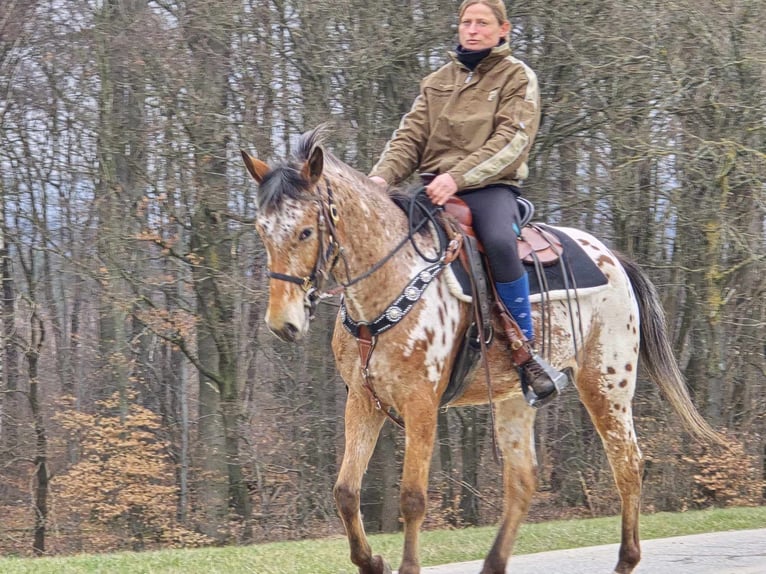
x: 288, y: 180
x: 282, y: 182
x: 314, y: 139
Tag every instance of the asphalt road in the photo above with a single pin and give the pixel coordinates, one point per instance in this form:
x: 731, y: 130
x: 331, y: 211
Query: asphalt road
x: 737, y: 552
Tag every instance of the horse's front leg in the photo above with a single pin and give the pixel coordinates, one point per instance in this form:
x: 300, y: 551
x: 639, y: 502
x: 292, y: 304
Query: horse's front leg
x: 363, y: 423
x: 420, y: 418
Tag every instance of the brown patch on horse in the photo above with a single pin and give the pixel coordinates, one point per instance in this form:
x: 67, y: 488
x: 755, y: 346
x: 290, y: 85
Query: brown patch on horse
x: 590, y: 378
x: 504, y: 378
x: 605, y: 260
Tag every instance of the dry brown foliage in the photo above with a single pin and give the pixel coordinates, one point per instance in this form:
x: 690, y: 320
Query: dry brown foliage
x: 121, y: 493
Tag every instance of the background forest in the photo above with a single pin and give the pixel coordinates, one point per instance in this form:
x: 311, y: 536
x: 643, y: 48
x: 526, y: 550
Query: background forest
x: 142, y: 402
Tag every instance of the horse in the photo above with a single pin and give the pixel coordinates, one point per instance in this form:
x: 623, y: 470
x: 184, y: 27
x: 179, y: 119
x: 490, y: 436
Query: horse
x: 327, y: 228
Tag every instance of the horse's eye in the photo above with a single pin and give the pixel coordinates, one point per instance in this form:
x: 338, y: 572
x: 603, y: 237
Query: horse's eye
x: 305, y: 234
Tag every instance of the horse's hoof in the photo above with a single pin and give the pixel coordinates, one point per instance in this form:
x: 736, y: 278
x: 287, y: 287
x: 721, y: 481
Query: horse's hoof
x: 380, y: 566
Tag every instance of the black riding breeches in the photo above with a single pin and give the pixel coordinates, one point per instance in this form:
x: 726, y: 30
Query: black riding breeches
x: 494, y: 210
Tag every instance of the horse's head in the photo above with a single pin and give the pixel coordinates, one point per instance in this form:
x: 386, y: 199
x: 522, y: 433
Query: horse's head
x: 295, y: 223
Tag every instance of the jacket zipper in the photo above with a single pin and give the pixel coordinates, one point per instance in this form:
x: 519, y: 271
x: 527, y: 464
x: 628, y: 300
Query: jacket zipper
x: 468, y: 77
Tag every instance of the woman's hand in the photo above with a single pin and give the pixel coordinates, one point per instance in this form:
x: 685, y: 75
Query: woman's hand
x: 441, y: 189
x: 379, y: 181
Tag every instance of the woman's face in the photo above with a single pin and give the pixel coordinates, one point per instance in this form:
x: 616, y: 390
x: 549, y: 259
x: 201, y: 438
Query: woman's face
x: 480, y: 29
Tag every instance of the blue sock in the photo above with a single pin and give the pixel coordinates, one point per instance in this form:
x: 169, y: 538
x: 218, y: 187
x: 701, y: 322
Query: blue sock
x: 515, y: 295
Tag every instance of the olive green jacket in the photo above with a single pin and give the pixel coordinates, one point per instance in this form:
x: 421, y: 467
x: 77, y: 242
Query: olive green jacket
x: 477, y: 126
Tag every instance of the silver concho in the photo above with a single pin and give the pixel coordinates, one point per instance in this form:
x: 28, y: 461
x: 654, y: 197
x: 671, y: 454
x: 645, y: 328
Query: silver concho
x: 426, y: 276
x: 412, y: 293
x: 394, y: 314
x: 342, y: 312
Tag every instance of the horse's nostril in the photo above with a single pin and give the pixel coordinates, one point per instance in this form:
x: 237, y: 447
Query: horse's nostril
x: 291, y: 330
x: 288, y: 333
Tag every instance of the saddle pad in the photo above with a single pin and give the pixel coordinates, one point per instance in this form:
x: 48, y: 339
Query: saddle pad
x: 584, y: 270
x: 586, y: 273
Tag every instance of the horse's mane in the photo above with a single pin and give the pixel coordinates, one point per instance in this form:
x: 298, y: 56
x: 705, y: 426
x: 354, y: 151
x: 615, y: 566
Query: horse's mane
x: 286, y: 180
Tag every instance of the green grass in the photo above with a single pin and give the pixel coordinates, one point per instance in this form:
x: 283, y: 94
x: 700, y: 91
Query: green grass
x: 330, y: 556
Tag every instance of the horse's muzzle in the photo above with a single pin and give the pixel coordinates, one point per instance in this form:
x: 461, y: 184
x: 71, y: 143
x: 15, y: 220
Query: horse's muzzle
x: 288, y: 333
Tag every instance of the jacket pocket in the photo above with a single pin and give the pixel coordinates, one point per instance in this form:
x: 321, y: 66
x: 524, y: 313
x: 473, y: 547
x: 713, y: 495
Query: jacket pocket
x: 438, y: 98
x: 475, y: 122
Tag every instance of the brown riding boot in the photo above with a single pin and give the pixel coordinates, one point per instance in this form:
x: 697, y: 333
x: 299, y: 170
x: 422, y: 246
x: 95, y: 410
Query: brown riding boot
x: 540, y: 382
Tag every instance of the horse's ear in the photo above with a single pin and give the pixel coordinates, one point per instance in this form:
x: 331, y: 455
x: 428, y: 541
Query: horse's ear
x: 256, y: 167
x: 312, y: 169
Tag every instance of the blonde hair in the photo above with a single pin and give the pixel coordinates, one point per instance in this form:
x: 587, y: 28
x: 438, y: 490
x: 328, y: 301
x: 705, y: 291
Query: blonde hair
x: 497, y: 7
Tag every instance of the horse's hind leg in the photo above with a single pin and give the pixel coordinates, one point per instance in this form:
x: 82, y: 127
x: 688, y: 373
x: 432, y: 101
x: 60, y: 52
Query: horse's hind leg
x: 514, y: 422
x: 607, y: 395
x: 363, y: 423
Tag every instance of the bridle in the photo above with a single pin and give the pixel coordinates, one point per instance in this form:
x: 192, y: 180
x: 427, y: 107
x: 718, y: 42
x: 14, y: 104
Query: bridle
x: 328, y: 257
x: 327, y: 218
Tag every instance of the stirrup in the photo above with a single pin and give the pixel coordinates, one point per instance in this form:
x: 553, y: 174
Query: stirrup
x: 558, y: 381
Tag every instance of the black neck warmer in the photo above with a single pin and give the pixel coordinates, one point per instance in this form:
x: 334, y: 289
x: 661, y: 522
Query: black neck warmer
x: 471, y: 58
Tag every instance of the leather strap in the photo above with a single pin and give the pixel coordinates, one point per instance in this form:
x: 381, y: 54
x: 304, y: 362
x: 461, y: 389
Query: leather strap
x: 521, y: 350
x: 366, y: 342
x: 472, y: 262
x: 398, y: 308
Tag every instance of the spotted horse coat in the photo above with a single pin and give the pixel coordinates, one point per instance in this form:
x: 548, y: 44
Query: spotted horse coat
x: 324, y: 223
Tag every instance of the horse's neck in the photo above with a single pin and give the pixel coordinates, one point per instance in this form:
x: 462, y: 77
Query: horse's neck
x: 370, y: 227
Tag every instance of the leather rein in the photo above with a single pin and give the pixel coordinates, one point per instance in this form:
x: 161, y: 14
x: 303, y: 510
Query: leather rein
x: 327, y: 219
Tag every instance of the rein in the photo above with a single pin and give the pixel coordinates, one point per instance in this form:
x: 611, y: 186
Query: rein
x: 328, y: 217
x: 426, y: 209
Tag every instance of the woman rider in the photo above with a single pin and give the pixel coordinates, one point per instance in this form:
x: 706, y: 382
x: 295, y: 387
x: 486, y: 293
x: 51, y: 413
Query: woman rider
x: 473, y: 125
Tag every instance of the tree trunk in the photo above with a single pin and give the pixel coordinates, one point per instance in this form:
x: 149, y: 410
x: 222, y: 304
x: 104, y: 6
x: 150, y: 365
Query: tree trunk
x: 9, y: 360
x: 121, y: 154
x: 41, y: 438
x: 474, y: 425
x: 380, y: 492
x: 207, y: 32
x: 447, y: 489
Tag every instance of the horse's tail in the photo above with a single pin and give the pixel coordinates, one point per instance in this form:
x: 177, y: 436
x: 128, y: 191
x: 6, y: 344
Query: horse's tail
x: 658, y: 357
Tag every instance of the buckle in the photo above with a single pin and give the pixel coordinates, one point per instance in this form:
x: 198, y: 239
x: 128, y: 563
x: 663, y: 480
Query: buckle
x: 333, y: 210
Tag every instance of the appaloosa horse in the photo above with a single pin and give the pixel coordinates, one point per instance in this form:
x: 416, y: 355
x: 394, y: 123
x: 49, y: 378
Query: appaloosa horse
x: 324, y: 223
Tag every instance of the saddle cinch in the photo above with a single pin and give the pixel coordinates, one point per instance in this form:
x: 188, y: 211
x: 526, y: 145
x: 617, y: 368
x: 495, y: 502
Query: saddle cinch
x: 536, y: 247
